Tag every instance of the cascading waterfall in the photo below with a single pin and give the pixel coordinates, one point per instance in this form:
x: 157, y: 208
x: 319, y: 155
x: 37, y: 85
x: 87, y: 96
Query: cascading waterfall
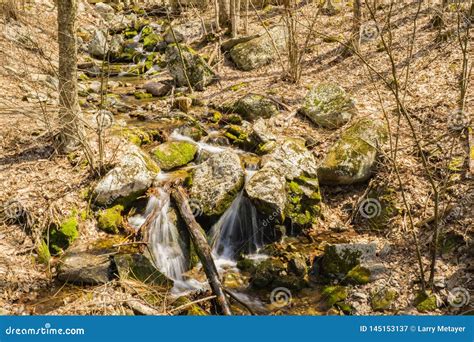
x: 237, y: 229
x: 201, y: 145
x: 168, y: 248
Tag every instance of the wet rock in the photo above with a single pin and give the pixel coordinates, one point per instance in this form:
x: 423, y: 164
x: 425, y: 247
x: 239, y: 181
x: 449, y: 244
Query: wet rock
x: 352, y: 158
x: 272, y: 273
x: 216, y: 182
x: 172, y: 154
x: 339, y: 259
x: 267, y: 190
x: 157, y: 89
x: 139, y: 267
x: 98, y: 46
x: 82, y: 266
x: 426, y: 302
x: 259, y: 51
x: 254, y: 106
x: 329, y: 106
x: 287, y: 185
x: 198, y: 72
x: 131, y: 177
x: 297, y: 266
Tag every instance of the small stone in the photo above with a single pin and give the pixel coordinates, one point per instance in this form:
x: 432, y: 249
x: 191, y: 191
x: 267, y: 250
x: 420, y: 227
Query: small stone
x: 183, y: 103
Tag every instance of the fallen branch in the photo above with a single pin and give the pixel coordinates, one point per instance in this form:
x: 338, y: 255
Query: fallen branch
x: 202, y: 248
x: 184, y: 306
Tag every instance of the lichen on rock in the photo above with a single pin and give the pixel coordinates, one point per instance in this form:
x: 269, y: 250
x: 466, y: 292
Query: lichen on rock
x: 172, y: 154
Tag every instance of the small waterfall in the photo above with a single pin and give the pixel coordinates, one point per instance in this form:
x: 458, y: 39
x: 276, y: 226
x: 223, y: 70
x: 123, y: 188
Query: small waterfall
x: 168, y: 248
x: 202, y: 146
x: 237, y: 230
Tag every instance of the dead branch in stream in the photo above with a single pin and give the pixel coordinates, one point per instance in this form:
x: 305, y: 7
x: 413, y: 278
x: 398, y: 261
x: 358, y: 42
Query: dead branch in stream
x: 202, y: 248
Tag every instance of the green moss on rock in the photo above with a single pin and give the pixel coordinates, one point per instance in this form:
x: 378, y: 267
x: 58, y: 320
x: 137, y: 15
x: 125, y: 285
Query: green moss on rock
x: 140, y: 95
x: 304, y: 199
x: 62, y: 236
x: 334, y: 294
x: 110, y: 220
x: 382, y: 300
x: 358, y: 275
x: 426, y: 302
x: 174, y: 154
x: 254, y: 106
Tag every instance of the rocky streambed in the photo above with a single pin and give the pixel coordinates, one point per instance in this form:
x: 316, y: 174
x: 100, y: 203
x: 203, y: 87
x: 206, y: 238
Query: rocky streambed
x: 254, y: 190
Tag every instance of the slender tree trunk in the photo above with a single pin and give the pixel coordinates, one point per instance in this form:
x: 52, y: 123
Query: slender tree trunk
x: 224, y: 13
x: 357, y: 19
x: 246, y: 18
x: 202, y: 249
x: 216, y: 14
x: 69, y: 113
x: 234, y: 17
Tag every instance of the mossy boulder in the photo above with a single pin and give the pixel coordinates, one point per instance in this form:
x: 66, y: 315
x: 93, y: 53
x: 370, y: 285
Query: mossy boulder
x: 304, y: 199
x: 63, y: 235
x: 216, y: 182
x: 287, y: 186
x: 153, y: 42
x: 339, y: 260
x: 426, y: 302
x: 140, y: 95
x: 110, y: 220
x: 359, y: 275
x: 240, y: 136
x: 377, y: 210
x: 273, y: 272
x: 136, y: 136
x: 383, y: 299
x: 260, y: 51
x: 254, y: 106
x: 334, y: 294
x: 172, y: 154
x: 130, y: 178
x: 197, y: 71
x: 352, y: 158
x: 328, y: 106
x: 139, y: 267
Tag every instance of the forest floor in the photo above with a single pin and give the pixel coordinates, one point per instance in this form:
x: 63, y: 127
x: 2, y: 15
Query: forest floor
x: 46, y: 185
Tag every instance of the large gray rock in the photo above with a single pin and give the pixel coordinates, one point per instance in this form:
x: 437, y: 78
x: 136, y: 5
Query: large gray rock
x: 105, y: 10
x: 187, y: 33
x: 287, y: 184
x: 156, y: 88
x: 82, y: 266
x: 254, y: 106
x: 198, y: 72
x: 352, y: 158
x: 216, y: 182
x: 267, y: 190
x: 98, y: 46
x: 260, y: 51
x: 328, y: 105
x: 132, y: 176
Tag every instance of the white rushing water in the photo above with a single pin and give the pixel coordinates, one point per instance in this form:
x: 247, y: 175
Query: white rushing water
x: 237, y: 230
x: 170, y: 252
x: 201, y: 145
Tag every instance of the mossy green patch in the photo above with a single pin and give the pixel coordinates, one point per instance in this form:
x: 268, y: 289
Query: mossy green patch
x: 304, y: 198
x: 334, y: 294
x: 110, y: 220
x: 140, y: 95
x: 151, y: 41
x: 136, y: 136
x: 382, y: 300
x: 174, y: 154
x: 44, y: 256
x: 358, y: 275
x: 426, y: 302
x: 63, y: 235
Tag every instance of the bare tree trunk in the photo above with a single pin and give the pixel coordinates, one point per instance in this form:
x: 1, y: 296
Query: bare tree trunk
x: 216, y: 14
x: 246, y: 18
x: 224, y: 13
x: 235, y: 17
x: 69, y: 113
x: 356, y: 24
x: 202, y: 248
